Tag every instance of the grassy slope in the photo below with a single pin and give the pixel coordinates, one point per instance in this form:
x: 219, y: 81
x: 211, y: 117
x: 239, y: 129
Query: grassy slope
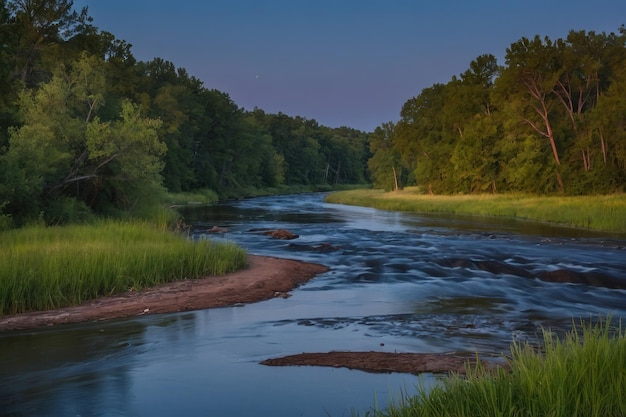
x: 606, y: 212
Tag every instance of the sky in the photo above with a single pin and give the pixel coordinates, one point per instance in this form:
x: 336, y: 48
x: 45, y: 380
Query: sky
x: 341, y: 62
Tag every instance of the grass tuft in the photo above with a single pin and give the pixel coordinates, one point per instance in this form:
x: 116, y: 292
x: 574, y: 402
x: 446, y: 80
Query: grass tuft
x: 582, y: 374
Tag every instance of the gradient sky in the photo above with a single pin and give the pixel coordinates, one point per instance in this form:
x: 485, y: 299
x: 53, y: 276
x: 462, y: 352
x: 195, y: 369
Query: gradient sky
x: 341, y: 62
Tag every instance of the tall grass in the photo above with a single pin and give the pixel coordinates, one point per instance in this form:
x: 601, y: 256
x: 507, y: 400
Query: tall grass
x: 602, y: 212
x: 582, y: 375
x: 50, y: 267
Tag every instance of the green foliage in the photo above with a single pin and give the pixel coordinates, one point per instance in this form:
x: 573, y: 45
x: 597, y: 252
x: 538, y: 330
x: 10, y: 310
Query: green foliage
x: 550, y: 121
x: 51, y: 267
x: 582, y: 374
x: 68, y: 210
x: 386, y: 167
x: 129, y: 152
x: 38, y: 27
x: 63, y: 148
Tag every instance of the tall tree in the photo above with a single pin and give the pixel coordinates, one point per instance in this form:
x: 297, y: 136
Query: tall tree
x: 532, y: 72
x: 8, y: 87
x: 422, y: 139
x: 385, y: 164
x: 534, y: 66
x: 172, y: 96
x: 608, y: 120
x: 39, y: 27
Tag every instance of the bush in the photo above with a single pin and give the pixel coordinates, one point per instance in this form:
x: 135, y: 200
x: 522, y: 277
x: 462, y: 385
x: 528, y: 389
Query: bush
x: 67, y: 210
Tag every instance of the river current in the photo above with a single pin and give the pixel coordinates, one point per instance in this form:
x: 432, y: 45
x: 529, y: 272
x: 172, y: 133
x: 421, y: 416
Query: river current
x: 398, y: 282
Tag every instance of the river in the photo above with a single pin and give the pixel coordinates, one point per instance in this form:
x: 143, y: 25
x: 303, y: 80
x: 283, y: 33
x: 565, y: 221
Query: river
x: 398, y: 282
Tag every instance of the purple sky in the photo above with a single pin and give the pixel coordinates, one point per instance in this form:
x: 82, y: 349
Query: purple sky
x: 341, y: 62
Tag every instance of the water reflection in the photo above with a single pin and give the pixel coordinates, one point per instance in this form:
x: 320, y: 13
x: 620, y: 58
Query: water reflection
x: 95, y: 361
x: 398, y: 282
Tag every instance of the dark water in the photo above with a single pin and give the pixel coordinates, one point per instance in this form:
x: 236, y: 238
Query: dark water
x: 398, y: 282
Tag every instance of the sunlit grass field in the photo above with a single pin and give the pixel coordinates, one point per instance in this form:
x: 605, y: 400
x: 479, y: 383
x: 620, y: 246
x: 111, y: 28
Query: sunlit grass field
x: 49, y: 267
x: 582, y: 374
x: 601, y: 212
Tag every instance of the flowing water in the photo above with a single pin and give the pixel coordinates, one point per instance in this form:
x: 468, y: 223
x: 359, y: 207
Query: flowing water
x: 398, y: 282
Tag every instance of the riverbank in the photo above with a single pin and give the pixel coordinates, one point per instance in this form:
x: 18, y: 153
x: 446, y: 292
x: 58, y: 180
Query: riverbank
x: 262, y: 279
x: 602, y: 212
x: 44, y: 268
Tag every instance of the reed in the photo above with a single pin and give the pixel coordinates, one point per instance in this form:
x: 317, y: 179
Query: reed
x: 583, y: 374
x: 50, y: 267
x: 601, y: 212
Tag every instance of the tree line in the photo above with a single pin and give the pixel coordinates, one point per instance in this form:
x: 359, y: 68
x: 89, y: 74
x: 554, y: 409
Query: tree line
x: 552, y: 119
x: 85, y: 126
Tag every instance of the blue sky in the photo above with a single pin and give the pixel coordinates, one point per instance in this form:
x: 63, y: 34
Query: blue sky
x: 341, y: 62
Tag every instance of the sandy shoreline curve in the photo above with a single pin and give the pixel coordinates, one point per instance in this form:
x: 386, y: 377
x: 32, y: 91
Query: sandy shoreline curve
x: 264, y: 278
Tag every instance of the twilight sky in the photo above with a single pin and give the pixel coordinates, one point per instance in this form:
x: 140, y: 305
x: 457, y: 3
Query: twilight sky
x: 341, y: 62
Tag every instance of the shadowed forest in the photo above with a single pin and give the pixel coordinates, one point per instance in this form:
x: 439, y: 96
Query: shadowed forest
x: 86, y: 128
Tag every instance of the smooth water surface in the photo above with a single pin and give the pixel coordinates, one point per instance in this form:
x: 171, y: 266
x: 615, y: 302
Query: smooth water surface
x: 398, y: 282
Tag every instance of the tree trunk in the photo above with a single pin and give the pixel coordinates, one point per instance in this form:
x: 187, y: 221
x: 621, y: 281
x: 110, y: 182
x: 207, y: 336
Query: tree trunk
x: 603, y: 146
x: 327, y: 169
x: 542, y: 110
x: 337, y: 173
x: 395, y: 179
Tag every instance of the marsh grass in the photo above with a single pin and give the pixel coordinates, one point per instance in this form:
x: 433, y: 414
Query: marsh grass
x: 50, y: 267
x: 582, y: 374
x: 602, y: 212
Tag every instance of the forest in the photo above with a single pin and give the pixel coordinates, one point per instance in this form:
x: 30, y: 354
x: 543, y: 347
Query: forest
x: 86, y: 128
x: 551, y: 120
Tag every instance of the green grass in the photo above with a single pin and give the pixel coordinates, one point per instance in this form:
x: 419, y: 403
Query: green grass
x: 583, y: 375
x: 601, y: 212
x: 50, y: 267
x: 200, y: 197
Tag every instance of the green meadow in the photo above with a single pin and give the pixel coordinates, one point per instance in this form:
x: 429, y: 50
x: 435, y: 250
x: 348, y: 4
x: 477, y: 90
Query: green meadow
x: 50, y: 267
x: 600, y: 212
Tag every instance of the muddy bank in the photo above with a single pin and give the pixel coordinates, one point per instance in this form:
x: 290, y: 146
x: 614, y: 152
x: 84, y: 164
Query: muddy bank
x: 264, y: 278
x: 384, y: 362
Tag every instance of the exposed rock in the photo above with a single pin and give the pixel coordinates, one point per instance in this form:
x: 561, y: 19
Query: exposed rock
x: 589, y: 278
x: 281, y: 234
x: 326, y: 247
x: 216, y: 229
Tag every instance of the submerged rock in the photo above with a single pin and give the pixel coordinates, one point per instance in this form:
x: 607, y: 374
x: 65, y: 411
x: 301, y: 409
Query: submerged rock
x: 589, y: 278
x: 281, y: 234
